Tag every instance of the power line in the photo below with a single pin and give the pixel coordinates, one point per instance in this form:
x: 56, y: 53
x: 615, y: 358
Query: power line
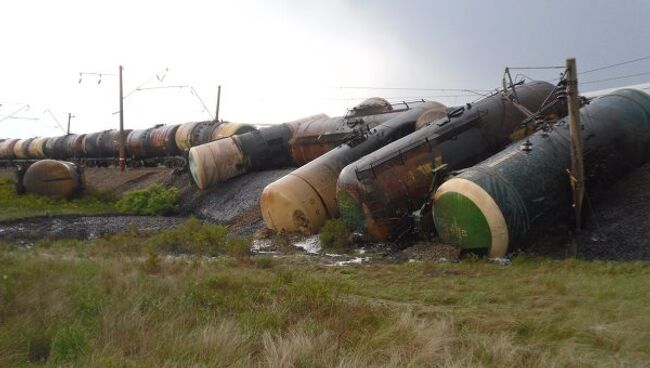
x: 615, y: 65
x: 616, y: 78
x: 472, y: 90
x: 399, y: 97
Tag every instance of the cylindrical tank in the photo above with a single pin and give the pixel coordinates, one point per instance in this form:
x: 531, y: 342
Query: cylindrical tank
x: 311, y: 140
x: 227, y: 129
x: 48, y: 149
x: 7, y: 149
x: 162, y: 140
x: 113, y: 149
x: 202, y: 133
x: 73, y: 146
x: 378, y: 193
x: 138, y: 143
x: 491, y: 207
x: 193, y: 134
x: 96, y: 144
x: 304, y: 199
x: 266, y: 148
x: 36, y: 147
x: 20, y: 148
x: 56, y: 179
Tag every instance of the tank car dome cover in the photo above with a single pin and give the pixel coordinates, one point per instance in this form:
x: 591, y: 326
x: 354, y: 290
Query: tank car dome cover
x: 373, y: 105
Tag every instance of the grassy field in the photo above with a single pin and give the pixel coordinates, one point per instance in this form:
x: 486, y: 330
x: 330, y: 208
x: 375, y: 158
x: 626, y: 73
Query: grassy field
x: 28, y: 205
x: 125, y: 301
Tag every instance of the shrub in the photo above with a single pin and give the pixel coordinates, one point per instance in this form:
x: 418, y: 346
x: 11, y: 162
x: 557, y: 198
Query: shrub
x: 197, y: 237
x: 335, y: 235
x: 153, y: 200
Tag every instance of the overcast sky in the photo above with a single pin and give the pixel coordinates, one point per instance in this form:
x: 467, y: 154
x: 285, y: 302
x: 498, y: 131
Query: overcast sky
x: 284, y: 59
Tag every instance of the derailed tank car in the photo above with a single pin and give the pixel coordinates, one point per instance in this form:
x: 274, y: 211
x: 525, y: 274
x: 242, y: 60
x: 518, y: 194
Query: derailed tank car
x: 493, y: 206
x: 290, y: 144
x: 377, y: 194
x: 304, y: 199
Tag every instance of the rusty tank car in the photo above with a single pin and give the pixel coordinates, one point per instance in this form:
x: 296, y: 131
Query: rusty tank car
x: 163, y: 140
x: 290, y: 144
x: 492, y: 207
x: 377, y: 194
x: 56, y: 179
x: 304, y: 199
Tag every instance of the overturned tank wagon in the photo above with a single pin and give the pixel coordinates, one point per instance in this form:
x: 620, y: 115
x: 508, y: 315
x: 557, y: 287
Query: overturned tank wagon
x: 20, y: 148
x: 377, y: 194
x: 290, y: 144
x: 304, y: 199
x: 226, y: 158
x: 493, y: 206
x: 56, y: 179
x: 7, y: 149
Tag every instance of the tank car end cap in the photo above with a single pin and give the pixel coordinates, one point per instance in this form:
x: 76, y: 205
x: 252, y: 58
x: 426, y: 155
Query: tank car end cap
x: 467, y: 216
x: 291, y: 204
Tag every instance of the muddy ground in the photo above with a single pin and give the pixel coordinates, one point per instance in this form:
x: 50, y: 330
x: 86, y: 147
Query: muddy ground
x: 617, y: 226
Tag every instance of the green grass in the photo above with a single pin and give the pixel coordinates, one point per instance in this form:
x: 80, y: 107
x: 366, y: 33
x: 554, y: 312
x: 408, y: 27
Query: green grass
x: 120, y: 301
x: 152, y: 200
x: 13, y: 206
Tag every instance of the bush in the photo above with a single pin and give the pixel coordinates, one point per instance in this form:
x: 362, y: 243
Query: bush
x: 153, y: 200
x: 196, y: 237
x: 335, y: 235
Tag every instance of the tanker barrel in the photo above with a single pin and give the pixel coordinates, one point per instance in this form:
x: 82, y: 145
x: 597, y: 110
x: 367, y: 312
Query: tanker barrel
x: 228, y: 129
x: 193, y: 134
x: 98, y: 144
x: 226, y: 158
x: 318, y: 136
x: 7, y: 149
x: 162, y: 140
x: 183, y: 136
x: 73, y: 145
x: 112, y: 145
x: 266, y: 148
x: 36, y: 148
x: 494, y: 206
x: 56, y: 179
x: 202, y: 133
x: 138, y: 143
x: 304, y: 199
x: 21, y: 148
x: 378, y: 193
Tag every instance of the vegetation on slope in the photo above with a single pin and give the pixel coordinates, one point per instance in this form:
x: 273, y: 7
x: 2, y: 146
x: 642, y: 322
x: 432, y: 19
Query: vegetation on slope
x: 152, y: 200
x: 116, y: 302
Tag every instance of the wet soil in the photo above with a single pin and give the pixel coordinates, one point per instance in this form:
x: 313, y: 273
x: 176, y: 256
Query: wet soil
x: 81, y: 227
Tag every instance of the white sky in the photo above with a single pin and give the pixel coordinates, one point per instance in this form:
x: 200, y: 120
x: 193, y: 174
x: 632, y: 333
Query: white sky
x: 276, y: 60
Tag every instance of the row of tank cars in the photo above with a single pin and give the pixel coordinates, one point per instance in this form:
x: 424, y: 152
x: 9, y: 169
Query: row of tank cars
x: 158, y: 145
x: 482, y: 176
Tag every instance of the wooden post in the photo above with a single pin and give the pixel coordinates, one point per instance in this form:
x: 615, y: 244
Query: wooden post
x: 69, y: 117
x: 575, y: 130
x: 216, y: 115
x: 122, y: 159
